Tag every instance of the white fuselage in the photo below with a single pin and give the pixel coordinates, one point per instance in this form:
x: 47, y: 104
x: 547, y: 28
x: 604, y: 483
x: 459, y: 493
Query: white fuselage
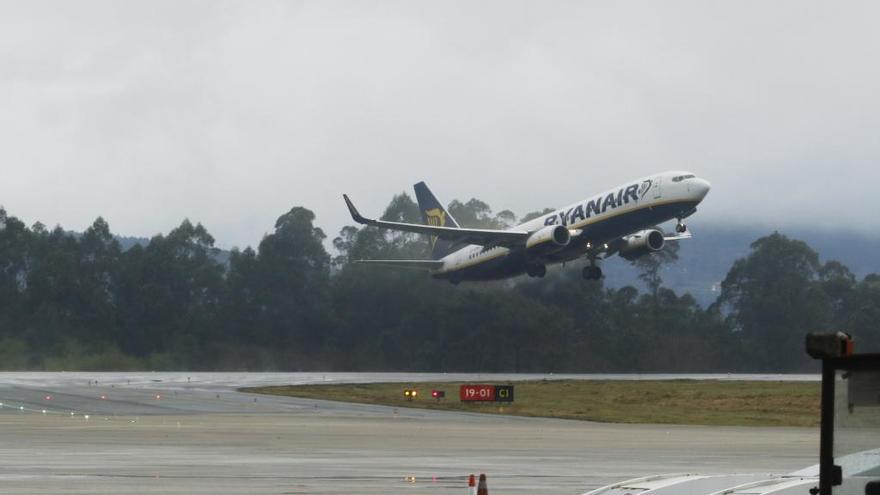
x: 629, y: 208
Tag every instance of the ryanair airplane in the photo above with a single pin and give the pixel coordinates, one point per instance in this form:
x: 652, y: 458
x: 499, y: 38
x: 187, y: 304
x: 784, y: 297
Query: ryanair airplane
x: 620, y: 221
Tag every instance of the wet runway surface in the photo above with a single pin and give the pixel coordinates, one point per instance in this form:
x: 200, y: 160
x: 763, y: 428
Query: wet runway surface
x: 193, y: 433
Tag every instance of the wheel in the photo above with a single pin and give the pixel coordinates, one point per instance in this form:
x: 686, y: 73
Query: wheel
x: 597, y: 273
x: 536, y: 270
x: 681, y: 228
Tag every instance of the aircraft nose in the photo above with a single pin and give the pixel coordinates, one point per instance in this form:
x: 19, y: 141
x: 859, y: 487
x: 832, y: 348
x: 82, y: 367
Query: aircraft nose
x: 700, y: 188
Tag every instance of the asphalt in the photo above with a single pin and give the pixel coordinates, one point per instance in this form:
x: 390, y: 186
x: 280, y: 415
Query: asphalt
x: 194, y: 433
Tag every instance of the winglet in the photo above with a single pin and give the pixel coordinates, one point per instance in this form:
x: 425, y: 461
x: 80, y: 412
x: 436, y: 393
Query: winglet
x: 354, y: 213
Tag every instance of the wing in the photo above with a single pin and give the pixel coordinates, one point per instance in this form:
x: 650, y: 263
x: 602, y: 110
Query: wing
x: 679, y: 237
x: 410, y: 264
x: 482, y: 237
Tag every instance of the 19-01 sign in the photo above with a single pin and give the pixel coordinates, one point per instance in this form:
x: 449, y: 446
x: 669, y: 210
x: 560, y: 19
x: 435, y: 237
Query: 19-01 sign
x: 486, y: 393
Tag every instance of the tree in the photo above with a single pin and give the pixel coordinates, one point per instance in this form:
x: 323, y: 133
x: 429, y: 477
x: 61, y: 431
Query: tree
x: 535, y: 214
x: 52, y: 298
x: 651, y: 265
x: 406, y: 245
x: 170, y: 292
x: 478, y: 214
x: 14, y: 266
x: 294, y: 271
x: 838, y: 283
x: 99, y: 254
x: 772, y: 298
x: 862, y: 312
x: 506, y: 218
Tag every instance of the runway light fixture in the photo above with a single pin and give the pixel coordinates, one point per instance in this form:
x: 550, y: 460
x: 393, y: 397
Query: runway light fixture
x: 438, y: 394
x: 410, y: 394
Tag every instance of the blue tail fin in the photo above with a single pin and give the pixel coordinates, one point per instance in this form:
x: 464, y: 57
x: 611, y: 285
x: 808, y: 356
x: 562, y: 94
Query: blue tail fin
x: 433, y: 213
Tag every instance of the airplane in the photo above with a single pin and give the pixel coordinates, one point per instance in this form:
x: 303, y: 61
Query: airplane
x: 619, y: 221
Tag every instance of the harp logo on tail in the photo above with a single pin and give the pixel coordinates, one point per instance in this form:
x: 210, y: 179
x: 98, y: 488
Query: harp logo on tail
x: 437, y: 218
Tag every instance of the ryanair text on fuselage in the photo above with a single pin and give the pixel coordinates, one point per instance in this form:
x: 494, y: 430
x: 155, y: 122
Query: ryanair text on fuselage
x: 598, y: 205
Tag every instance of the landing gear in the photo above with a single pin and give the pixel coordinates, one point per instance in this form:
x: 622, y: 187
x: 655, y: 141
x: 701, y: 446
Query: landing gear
x: 591, y: 272
x: 680, y: 227
x: 536, y: 271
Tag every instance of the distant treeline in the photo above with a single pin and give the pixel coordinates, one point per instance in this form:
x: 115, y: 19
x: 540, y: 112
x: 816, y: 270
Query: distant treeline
x: 79, y: 301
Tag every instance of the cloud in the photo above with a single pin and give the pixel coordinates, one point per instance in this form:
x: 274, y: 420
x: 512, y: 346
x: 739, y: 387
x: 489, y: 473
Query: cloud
x: 231, y: 113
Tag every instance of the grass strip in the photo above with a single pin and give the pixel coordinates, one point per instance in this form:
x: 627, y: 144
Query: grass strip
x: 688, y: 402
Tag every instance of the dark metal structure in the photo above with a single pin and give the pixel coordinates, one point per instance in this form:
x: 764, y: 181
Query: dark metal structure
x: 836, y: 353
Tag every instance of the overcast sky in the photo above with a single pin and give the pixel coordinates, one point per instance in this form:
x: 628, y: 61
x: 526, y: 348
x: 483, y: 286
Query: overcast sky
x: 230, y: 113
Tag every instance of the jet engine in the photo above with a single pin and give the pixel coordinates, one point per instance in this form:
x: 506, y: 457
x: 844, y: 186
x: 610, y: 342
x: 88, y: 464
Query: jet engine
x: 641, y: 243
x: 549, y: 239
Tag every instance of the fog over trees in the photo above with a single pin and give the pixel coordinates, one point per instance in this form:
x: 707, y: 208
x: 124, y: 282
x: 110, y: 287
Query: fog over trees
x: 80, y: 301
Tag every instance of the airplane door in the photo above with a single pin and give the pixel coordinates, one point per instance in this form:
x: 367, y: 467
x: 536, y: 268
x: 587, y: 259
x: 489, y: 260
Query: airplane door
x: 656, y: 187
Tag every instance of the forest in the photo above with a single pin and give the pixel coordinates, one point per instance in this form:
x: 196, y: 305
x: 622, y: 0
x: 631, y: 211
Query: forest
x: 79, y: 301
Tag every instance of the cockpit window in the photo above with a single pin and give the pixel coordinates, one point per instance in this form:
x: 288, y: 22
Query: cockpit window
x: 679, y: 178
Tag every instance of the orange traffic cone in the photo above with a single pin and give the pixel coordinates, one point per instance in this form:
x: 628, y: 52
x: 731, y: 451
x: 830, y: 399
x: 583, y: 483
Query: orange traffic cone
x: 472, y: 485
x: 481, y: 488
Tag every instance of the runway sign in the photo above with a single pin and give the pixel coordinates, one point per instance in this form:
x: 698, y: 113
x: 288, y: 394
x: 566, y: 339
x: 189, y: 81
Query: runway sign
x: 503, y: 393
x: 477, y: 393
x: 486, y: 393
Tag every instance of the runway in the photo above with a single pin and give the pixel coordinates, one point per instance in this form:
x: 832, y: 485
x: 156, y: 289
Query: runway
x: 193, y: 433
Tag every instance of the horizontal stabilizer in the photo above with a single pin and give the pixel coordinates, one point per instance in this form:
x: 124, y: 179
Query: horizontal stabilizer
x: 410, y: 264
